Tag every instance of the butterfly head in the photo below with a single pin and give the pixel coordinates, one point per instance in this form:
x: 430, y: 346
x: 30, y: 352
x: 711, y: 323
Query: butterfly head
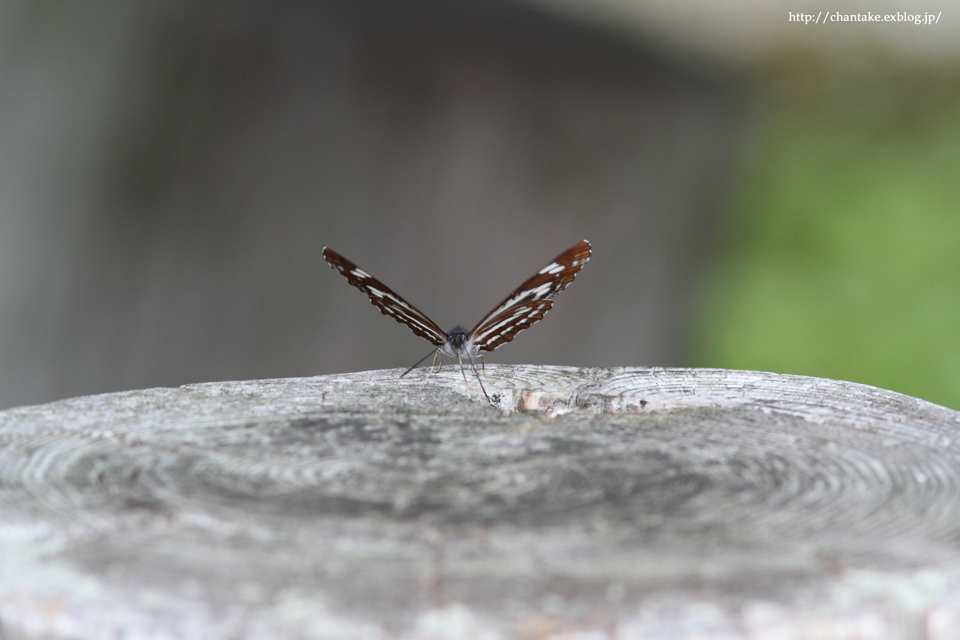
x: 458, y: 341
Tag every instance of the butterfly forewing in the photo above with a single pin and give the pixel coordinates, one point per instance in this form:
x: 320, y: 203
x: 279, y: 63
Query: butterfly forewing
x: 530, y: 301
x: 504, y: 326
x: 385, y: 299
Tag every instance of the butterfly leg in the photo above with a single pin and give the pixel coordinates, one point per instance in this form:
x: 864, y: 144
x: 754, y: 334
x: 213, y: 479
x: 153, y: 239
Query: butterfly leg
x: 460, y: 360
x: 464, y: 374
x: 474, y: 367
x: 483, y: 368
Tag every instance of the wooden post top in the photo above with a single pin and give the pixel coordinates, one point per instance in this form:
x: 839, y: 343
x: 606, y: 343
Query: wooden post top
x: 586, y: 503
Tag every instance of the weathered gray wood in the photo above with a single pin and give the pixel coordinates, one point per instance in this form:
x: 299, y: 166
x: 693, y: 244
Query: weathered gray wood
x: 618, y: 503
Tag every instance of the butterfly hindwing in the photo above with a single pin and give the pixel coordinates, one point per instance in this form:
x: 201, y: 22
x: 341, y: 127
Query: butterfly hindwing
x: 385, y: 299
x: 530, y: 301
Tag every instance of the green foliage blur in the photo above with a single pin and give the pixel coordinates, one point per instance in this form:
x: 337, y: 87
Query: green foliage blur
x: 840, y: 252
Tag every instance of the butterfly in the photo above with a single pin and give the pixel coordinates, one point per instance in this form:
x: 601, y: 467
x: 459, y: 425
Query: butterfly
x: 519, y: 310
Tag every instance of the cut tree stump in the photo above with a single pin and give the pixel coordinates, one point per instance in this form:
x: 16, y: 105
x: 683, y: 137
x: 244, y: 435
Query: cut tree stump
x: 587, y: 504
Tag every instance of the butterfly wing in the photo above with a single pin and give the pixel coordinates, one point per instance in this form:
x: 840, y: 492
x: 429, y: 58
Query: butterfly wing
x: 530, y: 301
x: 385, y: 299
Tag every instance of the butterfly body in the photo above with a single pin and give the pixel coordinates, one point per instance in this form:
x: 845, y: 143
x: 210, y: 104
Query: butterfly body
x: 522, y: 308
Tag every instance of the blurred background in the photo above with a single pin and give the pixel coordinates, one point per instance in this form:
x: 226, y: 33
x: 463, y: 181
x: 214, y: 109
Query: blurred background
x: 761, y: 192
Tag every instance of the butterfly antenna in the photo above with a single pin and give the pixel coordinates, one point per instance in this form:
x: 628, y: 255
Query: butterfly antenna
x: 418, y: 363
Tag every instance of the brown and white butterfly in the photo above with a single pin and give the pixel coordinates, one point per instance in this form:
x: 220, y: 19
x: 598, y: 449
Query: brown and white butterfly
x: 526, y: 305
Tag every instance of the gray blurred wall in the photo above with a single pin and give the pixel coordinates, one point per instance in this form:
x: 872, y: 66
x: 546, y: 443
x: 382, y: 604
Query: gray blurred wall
x: 169, y: 172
